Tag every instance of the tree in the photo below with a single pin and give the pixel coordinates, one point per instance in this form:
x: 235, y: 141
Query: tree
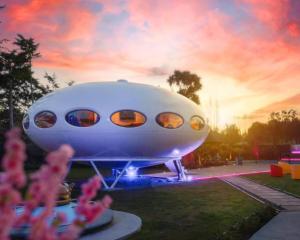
x: 232, y: 134
x: 18, y: 87
x: 258, y: 133
x: 284, y: 127
x: 188, y: 84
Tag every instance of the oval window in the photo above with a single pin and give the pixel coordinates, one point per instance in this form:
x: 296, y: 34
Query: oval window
x: 197, y: 123
x: 45, y: 119
x: 169, y: 120
x: 25, y: 122
x: 82, y: 118
x: 128, y: 118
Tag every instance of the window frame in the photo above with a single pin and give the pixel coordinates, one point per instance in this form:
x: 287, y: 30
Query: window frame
x: 36, y: 115
x: 204, y: 123
x: 83, y: 109
x: 183, y: 121
x: 145, y: 117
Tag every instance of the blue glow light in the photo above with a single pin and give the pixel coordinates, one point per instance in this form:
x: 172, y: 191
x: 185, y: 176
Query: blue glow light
x: 131, y: 172
x: 189, y: 178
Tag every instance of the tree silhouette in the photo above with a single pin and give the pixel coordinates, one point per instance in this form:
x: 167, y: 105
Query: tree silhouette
x: 187, y: 83
x: 18, y: 87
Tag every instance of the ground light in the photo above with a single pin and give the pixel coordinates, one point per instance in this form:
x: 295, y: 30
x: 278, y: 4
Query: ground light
x: 131, y: 172
x: 189, y: 178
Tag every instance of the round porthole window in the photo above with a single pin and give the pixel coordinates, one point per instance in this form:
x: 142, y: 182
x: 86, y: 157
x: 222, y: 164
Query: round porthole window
x: 128, y: 118
x: 197, y: 123
x: 82, y: 118
x: 169, y: 120
x: 45, y: 119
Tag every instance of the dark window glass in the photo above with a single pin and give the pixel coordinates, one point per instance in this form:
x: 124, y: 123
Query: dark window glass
x: 169, y: 120
x: 82, y: 118
x: 25, y: 122
x: 197, y: 123
x: 45, y: 119
x: 128, y: 118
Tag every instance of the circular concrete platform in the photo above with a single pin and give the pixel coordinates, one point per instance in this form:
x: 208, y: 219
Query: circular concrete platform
x: 111, y: 225
x: 122, y: 226
x: 69, y: 211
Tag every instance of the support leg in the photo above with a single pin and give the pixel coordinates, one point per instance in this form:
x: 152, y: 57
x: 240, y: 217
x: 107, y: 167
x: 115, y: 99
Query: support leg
x: 117, y: 178
x: 180, y: 170
x: 120, y: 175
x: 177, y: 169
x: 99, y: 174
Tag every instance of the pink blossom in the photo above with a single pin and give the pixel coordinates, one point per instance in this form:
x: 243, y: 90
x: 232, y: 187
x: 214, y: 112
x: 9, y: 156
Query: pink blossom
x: 43, y: 190
x: 13, y: 133
x: 89, y: 210
x: 107, y: 201
x: 61, y: 217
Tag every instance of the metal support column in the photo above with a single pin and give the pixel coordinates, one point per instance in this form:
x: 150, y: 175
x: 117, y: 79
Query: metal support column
x: 117, y: 178
x: 180, y: 170
x: 120, y: 175
x: 99, y: 174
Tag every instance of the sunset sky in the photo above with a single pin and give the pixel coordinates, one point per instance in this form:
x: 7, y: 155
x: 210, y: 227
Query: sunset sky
x: 247, y: 52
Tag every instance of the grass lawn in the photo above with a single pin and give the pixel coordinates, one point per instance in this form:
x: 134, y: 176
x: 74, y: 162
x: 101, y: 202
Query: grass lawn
x: 200, y: 210
x: 208, y: 209
x: 284, y: 183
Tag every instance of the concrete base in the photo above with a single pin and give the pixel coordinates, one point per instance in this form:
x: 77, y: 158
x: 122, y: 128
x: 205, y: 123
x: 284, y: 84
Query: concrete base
x: 111, y: 225
x: 123, y: 225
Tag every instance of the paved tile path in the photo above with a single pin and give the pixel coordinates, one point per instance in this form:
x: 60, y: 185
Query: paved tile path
x: 280, y: 199
x: 219, y: 171
x: 284, y: 226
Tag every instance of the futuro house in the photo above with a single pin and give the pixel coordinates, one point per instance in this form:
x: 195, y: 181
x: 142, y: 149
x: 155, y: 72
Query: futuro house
x: 117, y: 122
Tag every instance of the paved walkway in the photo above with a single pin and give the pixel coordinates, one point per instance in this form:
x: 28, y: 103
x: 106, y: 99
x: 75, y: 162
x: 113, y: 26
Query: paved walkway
x: 280, y: 199
x: 220, y: 171
x: 284, y: 226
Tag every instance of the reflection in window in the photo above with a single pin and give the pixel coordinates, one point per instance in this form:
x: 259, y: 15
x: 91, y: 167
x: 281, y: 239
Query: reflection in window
x: 82, y: 118
x: 45, y: 119
x: 25, y: 122
x: 169, y: 120
x: 197, y: 123
x: 128, y: 118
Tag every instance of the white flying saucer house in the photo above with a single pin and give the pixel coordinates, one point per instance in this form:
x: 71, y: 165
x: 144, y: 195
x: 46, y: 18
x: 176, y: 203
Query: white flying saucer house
x: 118, y: 122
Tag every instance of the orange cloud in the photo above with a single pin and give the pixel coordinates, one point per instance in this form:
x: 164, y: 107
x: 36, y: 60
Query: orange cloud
x: 252, y: 46
x: 292, y: 102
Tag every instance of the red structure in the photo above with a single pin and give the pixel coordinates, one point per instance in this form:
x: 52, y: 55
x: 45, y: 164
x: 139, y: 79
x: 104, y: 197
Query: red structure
x: 276, y: 171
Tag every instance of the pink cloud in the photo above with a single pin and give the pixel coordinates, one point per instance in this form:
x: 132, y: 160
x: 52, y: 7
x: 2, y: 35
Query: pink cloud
x: 56, y: 20
x: 253, y: 43
x: 294, y: 29
x: 195, y: 35
x: 270, y: 12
